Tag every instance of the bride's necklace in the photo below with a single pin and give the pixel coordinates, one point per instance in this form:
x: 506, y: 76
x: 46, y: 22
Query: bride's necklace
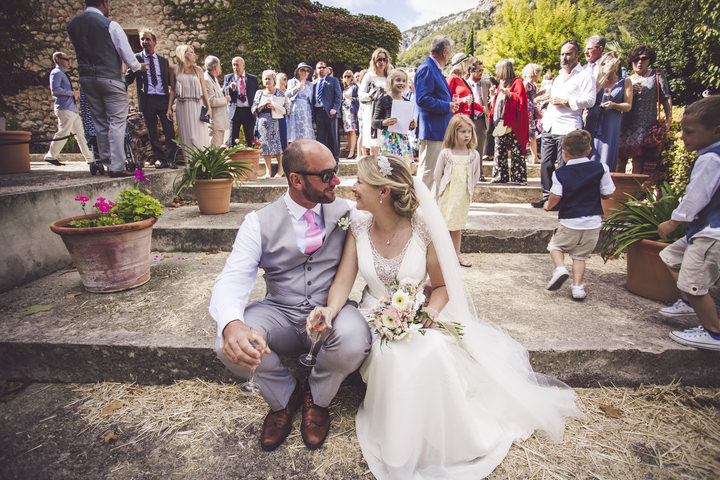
x: 394, y: 231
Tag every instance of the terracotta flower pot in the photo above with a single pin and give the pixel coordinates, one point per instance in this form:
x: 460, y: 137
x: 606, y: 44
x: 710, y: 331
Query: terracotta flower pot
x: 625, y: 184
x: 252, y: 157
x: 14, y: 151
x: 109, y: 259
x: 213, y: 196
x: 647, y: 275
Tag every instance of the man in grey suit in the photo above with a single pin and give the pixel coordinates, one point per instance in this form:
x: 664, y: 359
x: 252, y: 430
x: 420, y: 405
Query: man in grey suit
x: 326, y: 101
x: 296, y: 240
x: 101, y: 46
x: 153, y: 91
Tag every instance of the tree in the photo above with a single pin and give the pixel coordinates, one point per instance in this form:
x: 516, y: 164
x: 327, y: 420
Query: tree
x: 470, y: 43
x: 533, y: 31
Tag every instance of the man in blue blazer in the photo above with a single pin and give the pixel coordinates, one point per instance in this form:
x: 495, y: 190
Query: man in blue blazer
x: 326, y: 100
x: 435, y: 105
x: 240, y: 87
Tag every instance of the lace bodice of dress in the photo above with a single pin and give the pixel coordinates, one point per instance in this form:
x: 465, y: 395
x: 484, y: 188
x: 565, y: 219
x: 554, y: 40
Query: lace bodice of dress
x: 378, y: 270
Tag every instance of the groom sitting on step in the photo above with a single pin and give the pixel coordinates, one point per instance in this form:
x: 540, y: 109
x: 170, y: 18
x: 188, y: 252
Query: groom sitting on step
x: 298, y: 243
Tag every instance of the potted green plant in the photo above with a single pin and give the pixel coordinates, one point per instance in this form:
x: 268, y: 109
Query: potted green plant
x: 211, y: 172
x: 111, y: 247
x: 249, y: 154
x: 633, y: 228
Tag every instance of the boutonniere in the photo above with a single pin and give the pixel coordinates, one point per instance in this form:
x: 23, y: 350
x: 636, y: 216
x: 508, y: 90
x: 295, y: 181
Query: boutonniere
x: 343, y: 222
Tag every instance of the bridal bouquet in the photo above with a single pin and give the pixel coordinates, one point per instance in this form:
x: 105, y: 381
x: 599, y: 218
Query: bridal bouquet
x: 401, y: 312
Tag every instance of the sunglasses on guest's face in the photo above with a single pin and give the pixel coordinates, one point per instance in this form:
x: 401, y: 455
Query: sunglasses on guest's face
x: 644, y: 58
x: 64, y: 58
x: 381, y: 59
x: 347, y: 76
x: 477, y: 69
x: 574, y: 43
x: 326, y: 176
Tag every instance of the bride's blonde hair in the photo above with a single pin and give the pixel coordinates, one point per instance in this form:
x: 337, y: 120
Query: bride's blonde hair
x: 400, y: 181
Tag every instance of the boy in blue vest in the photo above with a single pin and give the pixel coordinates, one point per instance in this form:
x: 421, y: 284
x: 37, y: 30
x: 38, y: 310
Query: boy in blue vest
x: 694, y: 260
x: 577, y: 188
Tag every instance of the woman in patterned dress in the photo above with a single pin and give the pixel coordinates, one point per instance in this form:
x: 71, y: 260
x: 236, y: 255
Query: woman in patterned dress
x: 350, y: 108
x: 650, y: 87
x: 299, y: 91
x: 270, y: 105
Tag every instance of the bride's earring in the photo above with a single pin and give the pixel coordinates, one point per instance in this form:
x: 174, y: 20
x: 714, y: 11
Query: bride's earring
x: 380, y: 200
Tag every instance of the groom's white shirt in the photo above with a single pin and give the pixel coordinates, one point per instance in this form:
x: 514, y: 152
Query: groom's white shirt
x: 235, y: 283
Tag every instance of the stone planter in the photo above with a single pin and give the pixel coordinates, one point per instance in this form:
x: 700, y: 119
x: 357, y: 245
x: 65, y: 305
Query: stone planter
x: 213, y: 196
x: 14, y: 151
x: 251, y: 156
x: 109, y: 259
x: 647, y: 275
x: 625, y: 184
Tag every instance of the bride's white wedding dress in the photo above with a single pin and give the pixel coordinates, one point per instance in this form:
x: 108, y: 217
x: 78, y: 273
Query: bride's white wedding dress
x: 441, y: 408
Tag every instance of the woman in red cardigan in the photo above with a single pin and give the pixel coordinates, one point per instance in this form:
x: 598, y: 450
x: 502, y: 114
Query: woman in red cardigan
x: 512, y: 142
x: 460, y: 88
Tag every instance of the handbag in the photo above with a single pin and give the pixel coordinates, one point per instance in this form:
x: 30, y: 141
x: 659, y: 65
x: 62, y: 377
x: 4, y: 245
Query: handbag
x: 499, y: 127
x: 204, y: 117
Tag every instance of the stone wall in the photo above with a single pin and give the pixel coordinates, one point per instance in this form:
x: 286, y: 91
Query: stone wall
x: 33, y: 106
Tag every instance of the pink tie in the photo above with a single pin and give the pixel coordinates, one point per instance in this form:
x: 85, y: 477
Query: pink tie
x: 313, y: 234
x: 242, y: 84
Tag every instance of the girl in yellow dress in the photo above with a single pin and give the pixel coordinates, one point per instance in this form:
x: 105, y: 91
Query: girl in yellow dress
x: 457, y: 171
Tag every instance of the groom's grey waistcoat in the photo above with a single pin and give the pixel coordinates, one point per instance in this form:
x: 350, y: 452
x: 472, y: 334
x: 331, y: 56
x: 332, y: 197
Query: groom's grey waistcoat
x: 291, y: 277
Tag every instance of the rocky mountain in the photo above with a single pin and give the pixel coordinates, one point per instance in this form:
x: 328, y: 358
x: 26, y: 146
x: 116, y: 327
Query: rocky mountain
x: 417, y: 34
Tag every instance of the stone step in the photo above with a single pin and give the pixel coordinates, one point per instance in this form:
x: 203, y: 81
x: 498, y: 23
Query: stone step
x: 491, y: 228
x: 161, y: 332
x: 268, y: 189
x: 348, y: 168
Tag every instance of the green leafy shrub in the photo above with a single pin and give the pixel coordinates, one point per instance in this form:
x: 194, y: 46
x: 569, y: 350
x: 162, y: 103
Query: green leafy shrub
x: 638, y: 219
x: 208, y: 163
x: 676, y: 160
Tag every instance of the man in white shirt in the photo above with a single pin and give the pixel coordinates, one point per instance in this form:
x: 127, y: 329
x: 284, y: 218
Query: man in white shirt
x: 573, y: 90
x: 298, y: 241
x: 101, y: 47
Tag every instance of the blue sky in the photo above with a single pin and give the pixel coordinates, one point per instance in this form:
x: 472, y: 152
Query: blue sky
x: 404, y: 13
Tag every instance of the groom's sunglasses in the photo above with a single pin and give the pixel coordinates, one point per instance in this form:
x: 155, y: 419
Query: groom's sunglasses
x: 326, y: 176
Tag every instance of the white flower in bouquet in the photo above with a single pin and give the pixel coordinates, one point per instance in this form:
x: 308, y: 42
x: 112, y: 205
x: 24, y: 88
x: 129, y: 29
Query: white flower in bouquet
x: 401, y: 300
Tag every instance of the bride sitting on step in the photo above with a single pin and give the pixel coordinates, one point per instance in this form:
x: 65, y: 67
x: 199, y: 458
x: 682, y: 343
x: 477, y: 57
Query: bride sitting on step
x: 437, y: 405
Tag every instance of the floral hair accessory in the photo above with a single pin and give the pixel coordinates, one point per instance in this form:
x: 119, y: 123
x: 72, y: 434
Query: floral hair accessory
x: 384, y: 165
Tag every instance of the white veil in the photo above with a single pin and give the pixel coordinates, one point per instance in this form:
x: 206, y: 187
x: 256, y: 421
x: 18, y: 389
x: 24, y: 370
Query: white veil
x: 500, y: 366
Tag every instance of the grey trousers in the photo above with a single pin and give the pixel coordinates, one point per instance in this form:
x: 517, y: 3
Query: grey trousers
x: 340, y: 351
x: 429, y: 152
x: 108, y: 102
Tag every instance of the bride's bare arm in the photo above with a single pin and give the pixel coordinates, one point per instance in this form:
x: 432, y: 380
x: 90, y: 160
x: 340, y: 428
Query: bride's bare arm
x: 439, y: 296
x: 341, y: 286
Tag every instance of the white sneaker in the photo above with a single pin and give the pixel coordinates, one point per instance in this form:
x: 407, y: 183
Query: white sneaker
x: 678, y: 309
x: 578, y: 292
x: 558, y: 278
x: 696, y: 337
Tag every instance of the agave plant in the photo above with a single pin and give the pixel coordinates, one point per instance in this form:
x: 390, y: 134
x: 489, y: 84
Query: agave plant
x: 638, y: 219
x: 208, y: 163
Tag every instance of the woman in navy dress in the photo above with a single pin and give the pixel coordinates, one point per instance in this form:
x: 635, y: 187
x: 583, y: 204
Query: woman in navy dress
x: 614, y: 96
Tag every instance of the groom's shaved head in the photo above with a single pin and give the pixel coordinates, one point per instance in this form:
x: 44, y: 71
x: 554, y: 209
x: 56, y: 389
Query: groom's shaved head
x: 293, y: 158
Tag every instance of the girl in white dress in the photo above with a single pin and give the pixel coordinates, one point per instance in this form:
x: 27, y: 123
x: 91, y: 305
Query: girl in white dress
x: 436, y: 407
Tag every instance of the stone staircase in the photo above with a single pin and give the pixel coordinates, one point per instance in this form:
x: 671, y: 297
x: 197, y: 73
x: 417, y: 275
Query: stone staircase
x: 162, y: 332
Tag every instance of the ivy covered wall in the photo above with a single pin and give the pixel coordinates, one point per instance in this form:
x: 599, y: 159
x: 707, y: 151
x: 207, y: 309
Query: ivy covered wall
x: 281, y: 33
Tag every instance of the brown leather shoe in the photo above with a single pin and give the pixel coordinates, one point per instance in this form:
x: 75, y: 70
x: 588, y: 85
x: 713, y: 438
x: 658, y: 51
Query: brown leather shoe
x: 315, y: 421
x: 277, y: 425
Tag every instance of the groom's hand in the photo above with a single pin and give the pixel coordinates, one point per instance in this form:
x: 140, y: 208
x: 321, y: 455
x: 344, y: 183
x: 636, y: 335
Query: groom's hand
x: 237, y: 347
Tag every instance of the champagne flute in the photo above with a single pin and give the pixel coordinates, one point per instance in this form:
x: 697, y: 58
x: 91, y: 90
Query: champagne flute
x: 259, y: 343
x: 317, y: 327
